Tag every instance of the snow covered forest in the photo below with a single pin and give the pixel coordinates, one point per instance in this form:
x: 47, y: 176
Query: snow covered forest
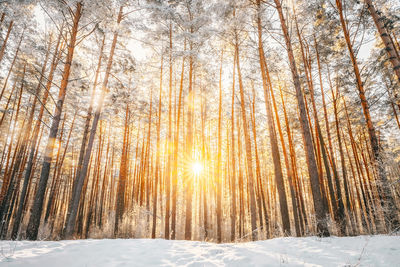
x: 215, y: 120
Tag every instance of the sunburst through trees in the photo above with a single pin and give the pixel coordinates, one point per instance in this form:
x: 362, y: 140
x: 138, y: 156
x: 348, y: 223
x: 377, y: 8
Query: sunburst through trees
x: 216, y: 120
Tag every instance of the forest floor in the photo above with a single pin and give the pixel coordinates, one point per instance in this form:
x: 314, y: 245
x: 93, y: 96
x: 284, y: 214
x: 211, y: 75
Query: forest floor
x: 307, y: 251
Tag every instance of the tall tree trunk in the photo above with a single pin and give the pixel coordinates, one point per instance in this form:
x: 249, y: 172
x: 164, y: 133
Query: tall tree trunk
x: 35, y: 135
x: 189, y: 143
x: 34, y: 220
x: 9, y: 179
x: 10, y: 70
x: 120, y: 199
x: 79, y: 180
x: 89, y: 113
x: 157, y: 171
x: 219, y: 176
x: 169, y: 140
x: 176, y: 150
x: 319, y: 140
x: 27, y: 132
x: 4, y: 45
x: 252, y: 196
x: 386, y: 197
x: 385, y: 36
x: 320, y: 211
x: 267, y: 86
x: 233, y: 175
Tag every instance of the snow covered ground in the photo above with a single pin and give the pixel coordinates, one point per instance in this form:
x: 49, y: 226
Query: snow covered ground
x: 308, y: 251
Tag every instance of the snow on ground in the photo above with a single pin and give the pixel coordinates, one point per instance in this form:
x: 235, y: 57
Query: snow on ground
x: 290, y: 251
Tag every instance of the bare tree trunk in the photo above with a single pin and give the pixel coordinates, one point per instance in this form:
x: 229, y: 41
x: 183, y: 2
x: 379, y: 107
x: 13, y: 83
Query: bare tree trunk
x: 267, y: 86
x: 76, y: 196
x: 320, y: 211
x: 120, y: 199
x: 176, y: 150
x: 389, y: 45
x: 9, y: 179
x: 189, y: 143
x: 157, y: 171
x: 10, y: 71
x: 34, y: 220
x: 89, y: 114
x: 249, y: 161
x: 219, y: 176
x: 387, y: 201
x: 35, y: 135
x: 169, y: 140
x: 3, y: 47
x: 289, y: 170
x: 233, y: 176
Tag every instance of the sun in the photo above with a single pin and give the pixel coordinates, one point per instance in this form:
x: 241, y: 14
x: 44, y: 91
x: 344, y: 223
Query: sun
x: 197, y: 168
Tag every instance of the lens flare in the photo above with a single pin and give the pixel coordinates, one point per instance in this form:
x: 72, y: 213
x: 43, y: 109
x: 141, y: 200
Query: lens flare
x: 197, y: 168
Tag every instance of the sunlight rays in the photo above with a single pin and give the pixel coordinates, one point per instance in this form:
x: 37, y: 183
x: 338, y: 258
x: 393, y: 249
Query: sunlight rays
x: 197, y: 168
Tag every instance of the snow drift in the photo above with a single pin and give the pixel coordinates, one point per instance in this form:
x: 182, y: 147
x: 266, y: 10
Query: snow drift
x: 290, y: 251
